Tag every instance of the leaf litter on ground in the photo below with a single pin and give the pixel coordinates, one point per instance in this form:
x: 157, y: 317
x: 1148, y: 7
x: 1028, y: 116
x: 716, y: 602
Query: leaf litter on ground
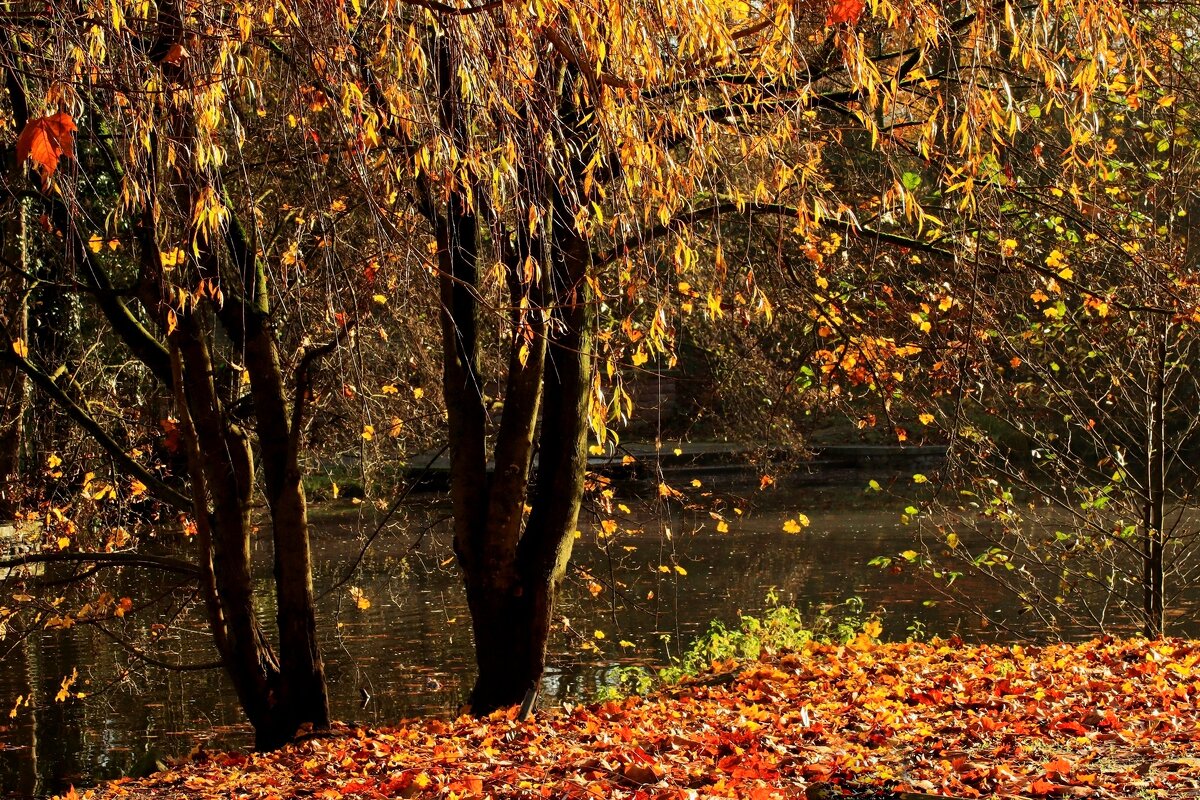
x: 1104, y: 719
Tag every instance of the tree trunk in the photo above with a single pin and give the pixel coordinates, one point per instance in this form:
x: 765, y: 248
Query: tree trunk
x: 512, y: 565
x: 13, y: 314
x: 12, y: 381
x: 302, y: 695
x: 512, y: 625
x: 1154, y: 541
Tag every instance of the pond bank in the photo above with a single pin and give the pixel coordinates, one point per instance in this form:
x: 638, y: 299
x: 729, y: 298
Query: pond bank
x: 1108, y: 718
x: 648, y: 461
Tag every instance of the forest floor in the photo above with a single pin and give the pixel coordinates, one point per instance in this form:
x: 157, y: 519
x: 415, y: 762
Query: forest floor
x: 1108, y: 718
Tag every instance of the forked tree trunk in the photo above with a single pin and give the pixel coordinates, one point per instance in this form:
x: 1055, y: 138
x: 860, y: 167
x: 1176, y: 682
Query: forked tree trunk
x: 513, y: 571
x: 278, y: 699
x: 512, y: 562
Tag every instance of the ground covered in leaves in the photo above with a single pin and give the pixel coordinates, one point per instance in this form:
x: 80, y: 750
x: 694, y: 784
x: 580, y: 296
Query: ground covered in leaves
x: 1102, y: 719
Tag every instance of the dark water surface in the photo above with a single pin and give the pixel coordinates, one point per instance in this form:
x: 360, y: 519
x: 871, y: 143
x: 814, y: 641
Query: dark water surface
x: 410, y: 650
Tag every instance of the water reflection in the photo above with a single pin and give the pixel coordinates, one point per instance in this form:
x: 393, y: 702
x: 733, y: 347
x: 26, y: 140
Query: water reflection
x: 409, y: 652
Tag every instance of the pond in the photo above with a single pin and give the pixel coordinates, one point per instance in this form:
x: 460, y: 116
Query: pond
x: 408, y: 653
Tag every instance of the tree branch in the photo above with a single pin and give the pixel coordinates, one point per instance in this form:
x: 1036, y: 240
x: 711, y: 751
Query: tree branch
x: 120, y: 559
x: 156, y: 487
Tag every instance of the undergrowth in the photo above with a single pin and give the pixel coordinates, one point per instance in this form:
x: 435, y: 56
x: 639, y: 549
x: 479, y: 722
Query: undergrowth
x: 779, y: 629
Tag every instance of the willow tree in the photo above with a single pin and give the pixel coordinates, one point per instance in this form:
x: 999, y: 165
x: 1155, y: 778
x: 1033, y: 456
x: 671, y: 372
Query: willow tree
x: 572, y: 163
x: 130, y: 131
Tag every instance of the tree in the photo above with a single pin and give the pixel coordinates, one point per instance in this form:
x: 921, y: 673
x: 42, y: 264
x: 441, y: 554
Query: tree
x: 572, y: 161
x: 148, y: 96
x: 1063, y: 352
x: 571, y: 166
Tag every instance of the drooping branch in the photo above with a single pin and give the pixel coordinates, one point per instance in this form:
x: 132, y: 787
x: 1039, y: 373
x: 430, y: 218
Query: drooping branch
x: 153, y: 661
x: 141, y: 343
x: 119, y: 559
x: 153, y: 484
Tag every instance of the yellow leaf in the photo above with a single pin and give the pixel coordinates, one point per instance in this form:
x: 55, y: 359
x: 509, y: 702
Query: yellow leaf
x: 95, y: 244
x: 64, y: 690
x: 63, y: 543
x: 20, y: 348
x: 925, y: 418
x: 599, y: 634
x: 680, y: 570
x: 919, y: 478
x: 418, y: 393
x: 722, y: 527
x: 361, y: 601
x: 796, y: 525
x: 368, y: 432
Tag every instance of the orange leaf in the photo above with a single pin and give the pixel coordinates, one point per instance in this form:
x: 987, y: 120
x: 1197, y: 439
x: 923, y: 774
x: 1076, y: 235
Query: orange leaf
x: 848, y: 11
x: 176, y: 54
x: 45, y: 140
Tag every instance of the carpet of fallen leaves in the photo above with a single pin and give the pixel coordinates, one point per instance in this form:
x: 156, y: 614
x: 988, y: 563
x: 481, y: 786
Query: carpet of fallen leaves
x: 1108, y: 718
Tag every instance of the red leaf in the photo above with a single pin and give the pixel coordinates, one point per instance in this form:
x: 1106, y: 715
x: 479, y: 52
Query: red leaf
x: 848, y: 11
x: 45, y: 140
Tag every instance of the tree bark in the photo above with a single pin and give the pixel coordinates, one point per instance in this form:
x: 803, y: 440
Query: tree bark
x: 512, y: 620
x: 13, y: 312
x: 1153, y: 542
x: 13, y: 390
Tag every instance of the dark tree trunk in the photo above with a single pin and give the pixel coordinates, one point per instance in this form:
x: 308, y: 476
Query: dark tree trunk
x: 513, y: 563
x: 513, y: 576
x: 13, y: 314
x: 1154, y: 536
x: 12, y: 381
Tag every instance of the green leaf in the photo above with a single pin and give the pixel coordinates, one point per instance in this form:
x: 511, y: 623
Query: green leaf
x: 910, y: 180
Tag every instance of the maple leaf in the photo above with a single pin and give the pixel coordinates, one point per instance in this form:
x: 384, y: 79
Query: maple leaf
x: 847, y: 11
x: 45, y: 140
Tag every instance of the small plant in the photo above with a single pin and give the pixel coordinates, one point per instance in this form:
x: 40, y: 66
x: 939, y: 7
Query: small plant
x: 779, y: 629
